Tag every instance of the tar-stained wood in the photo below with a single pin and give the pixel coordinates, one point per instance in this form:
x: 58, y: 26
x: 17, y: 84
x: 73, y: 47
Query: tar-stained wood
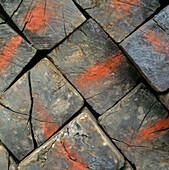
x: 148, y: 48
x: 54, y: 102
x: 119, y: 17
x: 80, y: 145
x: 139, y: 124
x: 15, y: 53
x: 45, y: 23
x: 95, y: 66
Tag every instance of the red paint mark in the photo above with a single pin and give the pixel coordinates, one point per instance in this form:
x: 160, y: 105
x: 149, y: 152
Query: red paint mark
x: 96, y: 73
x: 38, y: 16
x: 125, y: 6
x: 46, y: 119
x: 8, y: 52
x: 76, y: 162
x: 157, y: 41
x: 152, y: 130
x: 36, y: 20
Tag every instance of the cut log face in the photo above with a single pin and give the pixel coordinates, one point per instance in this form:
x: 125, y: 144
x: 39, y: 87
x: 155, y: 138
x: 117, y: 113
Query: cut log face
x: 11, y: 6
x: 84, y: 85
x: 164, y: 98
x: 139, y: 125
x: 6, y: 159
x: 45, y: 23
x: 148, y: 48
x: 80, y: 145
x: 119, y: 17
x: 15, y: 53
x: 3, y: 158
x: 35, y: 107
x: 96, y: 66
x: 163, y: 19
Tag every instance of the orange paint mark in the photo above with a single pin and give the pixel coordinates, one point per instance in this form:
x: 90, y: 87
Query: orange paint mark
x: 150, y: 131
x: 46, y: 119
x: 8, y: 52
x: 38, y: 16
x: 125, y: 6
x: 157, y: 41
x: 76, y: 163
x: 96, y: 73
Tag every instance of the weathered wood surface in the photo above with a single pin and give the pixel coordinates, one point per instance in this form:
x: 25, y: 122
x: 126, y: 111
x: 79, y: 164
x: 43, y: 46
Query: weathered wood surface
x: 95, y: 66
x: 148, y: 48
x: 4, y: 155
x: 164, y: 98
x: 163, y: 19
x: 15, y: 53
x: 45, y: 23
x: 35, y: 107
x: 80, y: 145
x: 45, y: 122
x: 119, y: 17
x: 139, y: 124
